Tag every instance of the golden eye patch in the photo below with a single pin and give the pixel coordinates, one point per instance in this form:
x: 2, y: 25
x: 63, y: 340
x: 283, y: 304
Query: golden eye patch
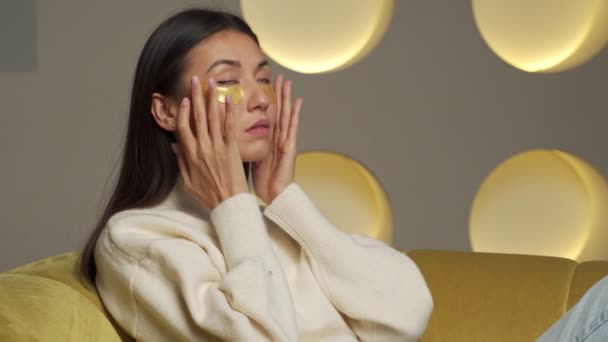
x: 269, y: 92
x: 236, y: 91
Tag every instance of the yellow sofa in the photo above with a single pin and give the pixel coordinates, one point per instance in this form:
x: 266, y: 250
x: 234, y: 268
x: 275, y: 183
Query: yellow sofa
x: 478, y: 297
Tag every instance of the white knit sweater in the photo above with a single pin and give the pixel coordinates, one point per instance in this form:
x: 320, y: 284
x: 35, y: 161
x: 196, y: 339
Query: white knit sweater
x: 180, y: 272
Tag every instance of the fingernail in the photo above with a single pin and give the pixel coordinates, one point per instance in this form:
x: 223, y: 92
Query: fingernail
x: 211, y: 83
x: 195, y: 80
x: 185, y: 101
x: 229, y: 99
x: 174, y: 148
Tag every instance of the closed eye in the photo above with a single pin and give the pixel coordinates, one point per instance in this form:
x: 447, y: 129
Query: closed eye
x: 227, y: 82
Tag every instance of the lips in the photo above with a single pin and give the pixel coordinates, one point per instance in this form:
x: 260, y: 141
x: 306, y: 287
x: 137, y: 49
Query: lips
x: 262, y: 123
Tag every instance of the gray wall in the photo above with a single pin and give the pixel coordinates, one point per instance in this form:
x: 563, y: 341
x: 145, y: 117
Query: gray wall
x: 431, y: 111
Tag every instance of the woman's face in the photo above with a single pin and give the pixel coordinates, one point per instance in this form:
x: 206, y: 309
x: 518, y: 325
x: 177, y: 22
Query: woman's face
x: 232, y: 58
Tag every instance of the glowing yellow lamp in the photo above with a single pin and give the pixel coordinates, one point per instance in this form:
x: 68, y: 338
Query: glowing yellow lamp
x: 543, y: 35
x: 315, y: 36
x: 347, y: 193
x: 542, y: 202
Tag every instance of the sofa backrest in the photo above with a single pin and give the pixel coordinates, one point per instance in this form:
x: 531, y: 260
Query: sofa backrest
x: 585, y: 275
x: 500, y: 297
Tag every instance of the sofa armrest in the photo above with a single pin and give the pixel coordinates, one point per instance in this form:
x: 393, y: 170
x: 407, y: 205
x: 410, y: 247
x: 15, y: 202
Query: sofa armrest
x: 34, y: 308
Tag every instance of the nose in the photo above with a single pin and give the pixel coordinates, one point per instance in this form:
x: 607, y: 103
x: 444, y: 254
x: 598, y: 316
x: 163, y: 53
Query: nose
x: 257, y: 100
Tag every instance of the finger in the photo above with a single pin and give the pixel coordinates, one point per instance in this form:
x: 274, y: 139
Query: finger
x: 278, y: 86
x: 200, y: 112
x: 276, y: 132
x: 184, y: 132
x: 285, y: 111
x: 213, y: 114
x: 230, y: 121
x: 295, y: 120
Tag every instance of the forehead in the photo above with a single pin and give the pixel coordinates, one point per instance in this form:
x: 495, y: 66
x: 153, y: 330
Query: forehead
x: 224, y: 45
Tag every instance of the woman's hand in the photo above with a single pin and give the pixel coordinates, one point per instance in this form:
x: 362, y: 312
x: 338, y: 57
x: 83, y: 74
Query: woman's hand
x: 210, y: 164
x: 273, y: 174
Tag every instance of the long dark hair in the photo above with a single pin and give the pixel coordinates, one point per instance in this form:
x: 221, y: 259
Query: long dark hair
x: 149, y: 168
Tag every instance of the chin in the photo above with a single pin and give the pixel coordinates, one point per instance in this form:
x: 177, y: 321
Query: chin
x: 255, y: 151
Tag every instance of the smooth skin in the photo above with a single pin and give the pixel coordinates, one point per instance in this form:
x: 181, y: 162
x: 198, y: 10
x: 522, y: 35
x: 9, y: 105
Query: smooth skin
x: 212, y: 137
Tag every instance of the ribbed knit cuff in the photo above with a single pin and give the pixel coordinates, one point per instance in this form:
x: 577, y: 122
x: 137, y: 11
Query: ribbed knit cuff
x: 240, y: 228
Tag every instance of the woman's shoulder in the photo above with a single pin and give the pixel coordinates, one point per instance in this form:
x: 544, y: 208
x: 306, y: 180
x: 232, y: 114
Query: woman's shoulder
x: 132, y: 231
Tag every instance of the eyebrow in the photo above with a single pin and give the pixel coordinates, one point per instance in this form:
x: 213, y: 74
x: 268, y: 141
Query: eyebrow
x: 236, y: 64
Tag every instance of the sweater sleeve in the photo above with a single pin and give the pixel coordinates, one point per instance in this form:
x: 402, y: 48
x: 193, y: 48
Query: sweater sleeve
x: 177, y: 292
x: 380, y: 290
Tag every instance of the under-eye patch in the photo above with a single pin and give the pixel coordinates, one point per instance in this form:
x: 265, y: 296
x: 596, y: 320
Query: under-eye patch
x: 236, y: 91
x: 269, y: 92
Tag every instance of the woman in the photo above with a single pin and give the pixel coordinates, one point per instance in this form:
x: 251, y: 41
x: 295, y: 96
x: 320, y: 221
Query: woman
x: 184, y: 253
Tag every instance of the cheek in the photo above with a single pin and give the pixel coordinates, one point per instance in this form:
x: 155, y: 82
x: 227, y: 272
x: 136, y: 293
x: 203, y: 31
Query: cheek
x: 241, y: 123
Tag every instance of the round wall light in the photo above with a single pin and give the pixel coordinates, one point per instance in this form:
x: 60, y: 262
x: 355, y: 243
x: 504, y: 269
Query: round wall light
x: 316, y: 36
x: 543, y: 35
x: 347, y: 193
x: 542, y: 202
